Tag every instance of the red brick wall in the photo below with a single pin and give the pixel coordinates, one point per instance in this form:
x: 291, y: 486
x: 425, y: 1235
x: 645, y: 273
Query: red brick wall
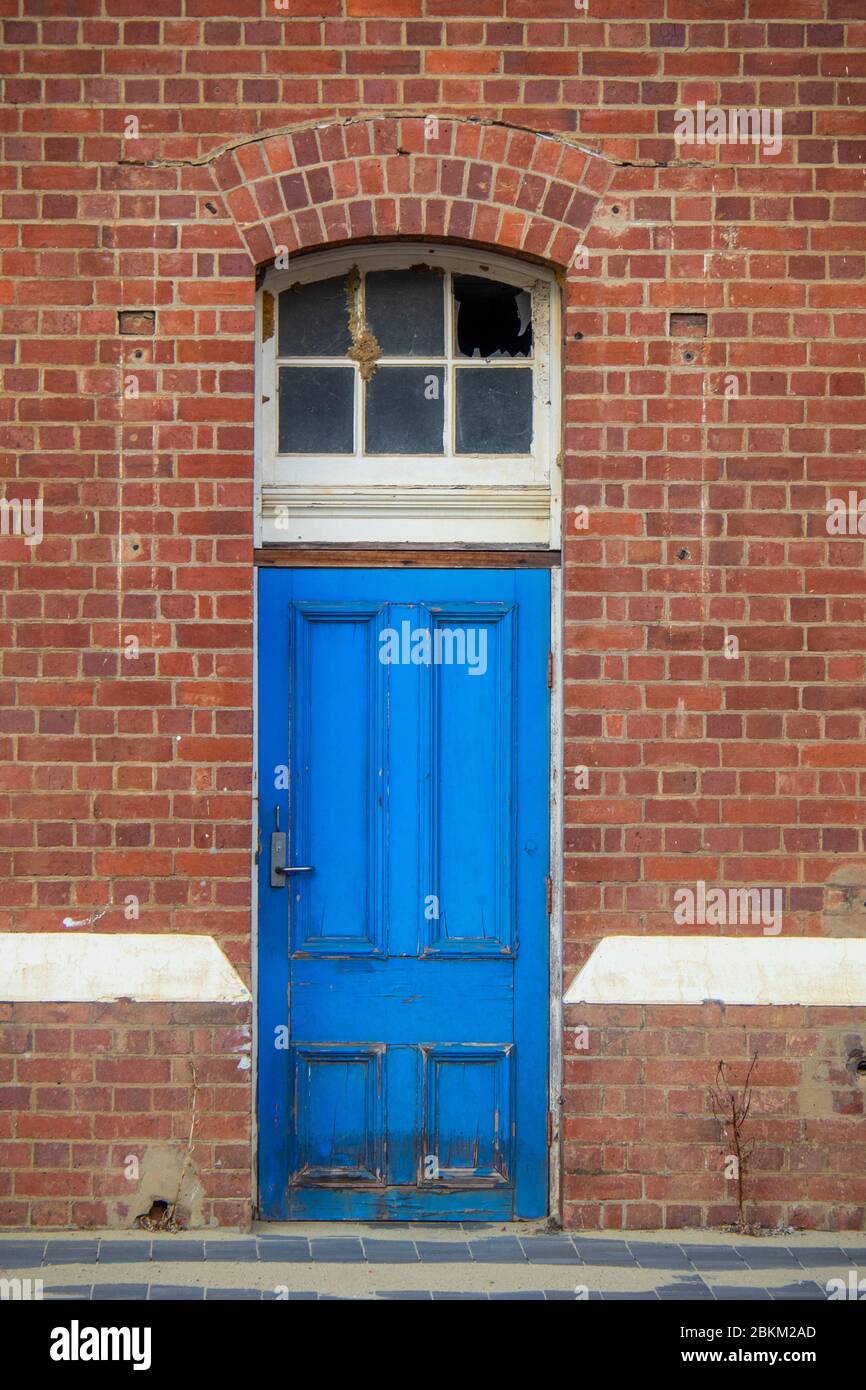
x: 98, y: 1103
x: 706, y: 514
x: 643, y: 1148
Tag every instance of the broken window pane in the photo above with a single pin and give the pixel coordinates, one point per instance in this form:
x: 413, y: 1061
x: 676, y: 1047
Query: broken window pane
x: 405, y: 410
x: 317, y: 410
x: 314, y: 319
x: 493, y: 319
x: 494, y: 410
x: 406, y: 311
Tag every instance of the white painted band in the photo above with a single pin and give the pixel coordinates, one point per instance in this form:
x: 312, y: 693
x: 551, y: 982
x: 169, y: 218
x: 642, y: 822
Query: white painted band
x: 88, y: 967
x: 732, y: 970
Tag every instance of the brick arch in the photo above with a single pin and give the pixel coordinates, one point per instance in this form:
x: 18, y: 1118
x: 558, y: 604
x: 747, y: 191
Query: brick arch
x: 493, y: 185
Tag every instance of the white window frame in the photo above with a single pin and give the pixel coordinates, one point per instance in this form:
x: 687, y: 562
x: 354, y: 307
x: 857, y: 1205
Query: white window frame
x: 440, y: 499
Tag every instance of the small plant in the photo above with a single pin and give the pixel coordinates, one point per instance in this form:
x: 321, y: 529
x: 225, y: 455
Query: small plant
x: 732, y: 1110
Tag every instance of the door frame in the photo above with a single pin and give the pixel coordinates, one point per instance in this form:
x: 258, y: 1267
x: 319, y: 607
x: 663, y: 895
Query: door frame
x: 452, y: 561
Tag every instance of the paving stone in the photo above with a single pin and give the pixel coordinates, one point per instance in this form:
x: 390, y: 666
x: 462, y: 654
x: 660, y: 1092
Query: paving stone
x: 770, y: 1257
x: 124, y: 1252
x: 688, y: 1291
x: 106, y: 1292
x: 803, y: 1290
x: 299, y: 1296
x: 714, y: 1257
x: 172, y: 1251
x: 528, y: 1296
x: 497, y: 1250
x: 605, y: 1252
x: 643, y: 1296
x: 339, y: 1249
x: 60, y: 1293
x: 648, y: 1256
x: 232, y: 1251
x: 444, y: 1251
x: 21, y: 1254
x: 448, y: 1294
x: 856, y: 1254
x: 406, y: 1295
x: 287, y: 1250
x: 234, y: 1295
x: 727, y: 1293
x: 821, y: 1257
x: 71, y: 1252
x: 550, y: 1250
x: 186, y: 1293
x: 390, y: 1252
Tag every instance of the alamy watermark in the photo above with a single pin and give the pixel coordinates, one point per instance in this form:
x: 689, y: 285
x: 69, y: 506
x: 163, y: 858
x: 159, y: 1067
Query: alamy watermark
x: 738, y: 125
x: 846, y: 516
x: 21, y: 1290
x: 22, y: 516
x: 443, y: 646
x: 702, y: 906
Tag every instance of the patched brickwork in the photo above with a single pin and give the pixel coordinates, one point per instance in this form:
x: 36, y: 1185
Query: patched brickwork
x: 643, y: 1148
x: 108, y: 1108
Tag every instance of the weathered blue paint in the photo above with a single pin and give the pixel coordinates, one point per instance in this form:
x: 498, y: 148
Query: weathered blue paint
x: 408, y: 975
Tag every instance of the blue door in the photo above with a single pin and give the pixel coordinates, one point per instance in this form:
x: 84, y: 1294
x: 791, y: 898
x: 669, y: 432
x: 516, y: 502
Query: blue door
x: 403, y: 956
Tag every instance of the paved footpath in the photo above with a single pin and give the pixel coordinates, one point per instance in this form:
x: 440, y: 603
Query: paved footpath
x: 422, y: 1261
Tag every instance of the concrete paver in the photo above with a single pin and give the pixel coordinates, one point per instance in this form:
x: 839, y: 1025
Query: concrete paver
x: 424, y: 1261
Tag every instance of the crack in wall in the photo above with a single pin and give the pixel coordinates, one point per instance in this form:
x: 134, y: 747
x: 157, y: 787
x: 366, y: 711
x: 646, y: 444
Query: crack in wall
x: 228, y: 147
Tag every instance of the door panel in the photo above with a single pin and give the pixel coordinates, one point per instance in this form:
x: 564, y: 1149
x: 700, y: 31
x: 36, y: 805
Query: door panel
x: 403, y: 743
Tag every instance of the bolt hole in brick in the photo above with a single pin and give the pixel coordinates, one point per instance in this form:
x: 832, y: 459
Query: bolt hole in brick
x: 857, y: 1061
x: 683, y: 554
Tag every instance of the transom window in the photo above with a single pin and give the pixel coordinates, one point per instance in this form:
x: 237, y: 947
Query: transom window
x: 393, y: 376
x: 374, y: 362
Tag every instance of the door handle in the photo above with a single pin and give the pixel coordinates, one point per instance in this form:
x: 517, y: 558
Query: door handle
x: 280, y: 870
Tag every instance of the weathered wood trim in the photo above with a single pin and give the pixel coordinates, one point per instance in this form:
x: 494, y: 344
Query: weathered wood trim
x: 404, y: 557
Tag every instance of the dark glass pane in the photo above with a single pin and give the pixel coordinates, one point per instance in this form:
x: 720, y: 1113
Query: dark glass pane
x: 494, y: 410
x: 405, y: 410
x: 493, y: 319
x: 406, y: 311
x: 317, y: 410
x: 314, y: 319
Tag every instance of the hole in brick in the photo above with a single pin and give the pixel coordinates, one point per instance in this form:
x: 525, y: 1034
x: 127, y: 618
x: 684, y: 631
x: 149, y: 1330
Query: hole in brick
x: 688, y: 357
x: 682, y: 554
x: 688, y: 325
x: 211, y: 207
x: 616, y: 208
x: 856, y: 1062
x: 136, y: 323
